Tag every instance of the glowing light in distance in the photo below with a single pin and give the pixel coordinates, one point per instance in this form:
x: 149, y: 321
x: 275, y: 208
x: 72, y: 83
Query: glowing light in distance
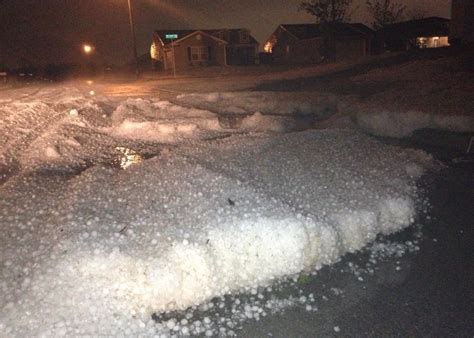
x: 87, y: 48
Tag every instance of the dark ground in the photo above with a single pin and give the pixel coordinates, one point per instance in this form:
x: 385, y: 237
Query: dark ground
x: 432, y: 293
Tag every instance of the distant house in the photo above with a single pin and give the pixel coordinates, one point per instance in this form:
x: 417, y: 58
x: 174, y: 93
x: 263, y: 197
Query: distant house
x: 462, y: 21
x: 192, y: 48
x: 430, y: 32
x: 313, y: 43
x: 242, y: 47
x: 369, y: 34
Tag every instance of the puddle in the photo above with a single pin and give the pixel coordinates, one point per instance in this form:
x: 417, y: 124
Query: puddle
x: 121, y: 158
x: 304, y: 121
x: 231, y: 121
x: 128, y: 157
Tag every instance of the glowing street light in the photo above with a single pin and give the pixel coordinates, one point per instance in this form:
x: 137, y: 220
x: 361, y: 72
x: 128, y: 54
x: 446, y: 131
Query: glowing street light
x: 87, y: 49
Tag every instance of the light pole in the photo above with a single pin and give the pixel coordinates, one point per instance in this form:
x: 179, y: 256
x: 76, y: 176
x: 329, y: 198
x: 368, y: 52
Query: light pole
x: 132, y: 29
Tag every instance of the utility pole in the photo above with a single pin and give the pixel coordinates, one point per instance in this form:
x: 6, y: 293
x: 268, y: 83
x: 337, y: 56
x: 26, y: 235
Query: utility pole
x: 174, y: 59
x: 132, y: 29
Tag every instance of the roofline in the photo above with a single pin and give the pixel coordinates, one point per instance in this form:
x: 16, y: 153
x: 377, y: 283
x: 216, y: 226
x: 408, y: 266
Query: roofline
x: 194, y: 33
x: 400, y: 23
x: 204, y: 29
x: 362, y: 24
x: 286, y: 30
x: 155, y: 33
x: 282, y: 25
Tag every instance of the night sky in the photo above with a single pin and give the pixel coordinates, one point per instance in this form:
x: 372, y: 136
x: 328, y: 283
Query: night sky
x: 47, y: 31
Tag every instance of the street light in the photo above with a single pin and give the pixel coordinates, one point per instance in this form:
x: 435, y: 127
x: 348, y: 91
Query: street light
x: 132, y: 29
x: 87, y: 48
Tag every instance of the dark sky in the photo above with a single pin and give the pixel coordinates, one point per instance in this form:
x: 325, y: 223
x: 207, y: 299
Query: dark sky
x: 45, y: 31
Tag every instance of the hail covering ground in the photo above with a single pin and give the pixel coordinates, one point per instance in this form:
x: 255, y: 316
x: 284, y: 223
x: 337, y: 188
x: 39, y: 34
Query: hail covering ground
x: 87, y: 248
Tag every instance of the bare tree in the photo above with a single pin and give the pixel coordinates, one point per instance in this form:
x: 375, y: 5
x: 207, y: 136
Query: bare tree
x: 385, y: 12
x: 327, y: 10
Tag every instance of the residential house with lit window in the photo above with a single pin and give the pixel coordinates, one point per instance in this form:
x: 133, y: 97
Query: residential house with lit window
x: 195, y: 48
x: 432, y: 32
x: 314, y: 43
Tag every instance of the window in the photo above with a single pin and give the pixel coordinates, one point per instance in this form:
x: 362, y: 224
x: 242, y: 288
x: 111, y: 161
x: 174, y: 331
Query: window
x: 244, y: 36
x: 200, y: 53
x: 432, y: 42
x: 422, y: 42
x: 154, y: 51
x: 268, y: 48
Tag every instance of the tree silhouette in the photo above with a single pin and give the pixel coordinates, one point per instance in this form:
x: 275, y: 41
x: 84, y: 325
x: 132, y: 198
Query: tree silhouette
x: 327, y: 11
x: 385, y: 12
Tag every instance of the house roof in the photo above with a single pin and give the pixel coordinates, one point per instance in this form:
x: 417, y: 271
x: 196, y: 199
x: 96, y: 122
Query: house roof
x: 363, y: 28
x: 311, y: 31
x: 230, y: 36
x: 432, y: 26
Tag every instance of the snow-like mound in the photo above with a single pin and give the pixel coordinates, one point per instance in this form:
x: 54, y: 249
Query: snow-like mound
x: 99, y: 253
x: 264, y: 102
x: 141, y: 109
x: 398, y: 124
x: 163, y: 121
x: 32, y: 127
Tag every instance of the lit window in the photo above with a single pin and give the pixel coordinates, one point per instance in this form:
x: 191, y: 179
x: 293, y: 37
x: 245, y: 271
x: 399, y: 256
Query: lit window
x: 421, y: 42
x: 268, y: 48
x: 154, y: 51
x: 432, y: 42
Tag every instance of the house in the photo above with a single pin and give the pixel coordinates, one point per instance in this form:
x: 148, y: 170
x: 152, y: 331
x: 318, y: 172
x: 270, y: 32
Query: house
x: 462, y: 23
x: 313, y: 43
x: 242, y: 47
x: 369, y: 35
x: 430, y: 32
x: 191, y: 48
